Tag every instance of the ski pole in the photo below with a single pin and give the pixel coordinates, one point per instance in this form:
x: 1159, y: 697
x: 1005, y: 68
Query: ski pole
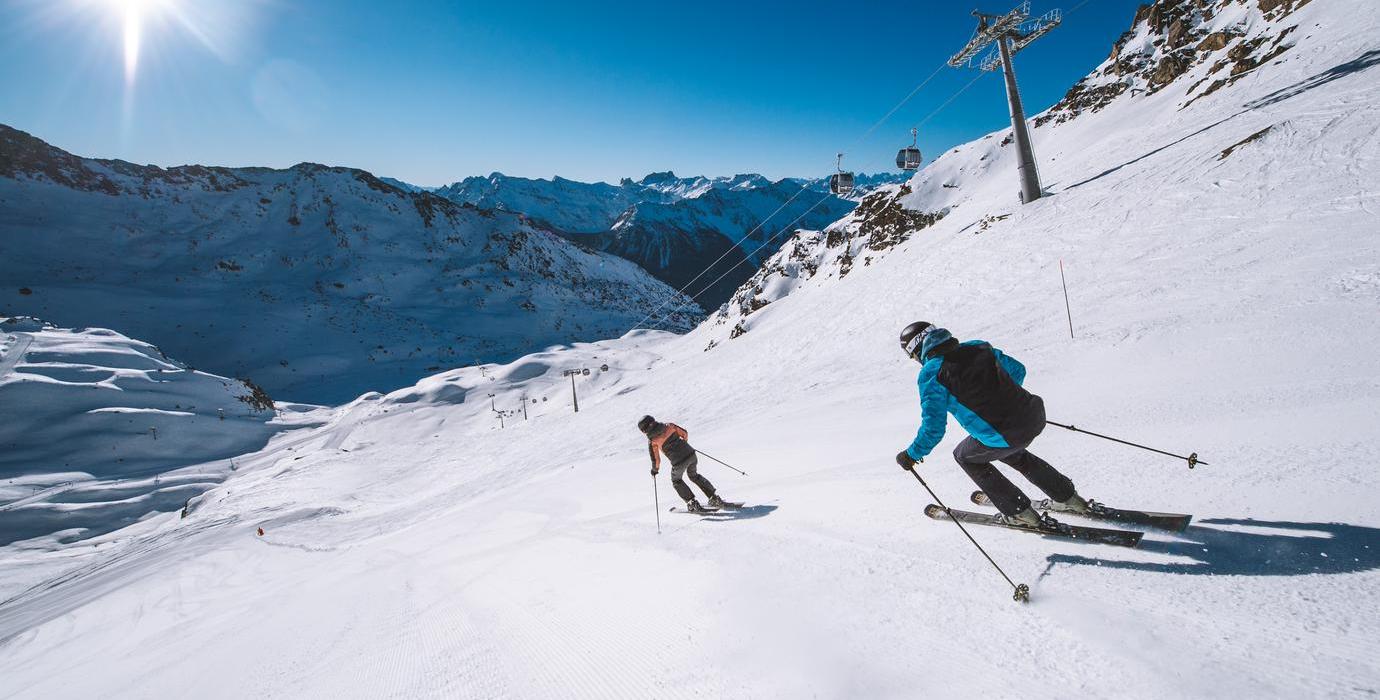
x: 1192, y: 458
x: 1021, y: 591
x: 656, y: 503
x: 726, y: 464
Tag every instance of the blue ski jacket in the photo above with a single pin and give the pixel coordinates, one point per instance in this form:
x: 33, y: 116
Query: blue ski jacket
x: 981, y: 387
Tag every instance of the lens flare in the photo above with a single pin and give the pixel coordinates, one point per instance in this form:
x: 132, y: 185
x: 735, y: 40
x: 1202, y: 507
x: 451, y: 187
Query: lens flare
x: 133, y: 11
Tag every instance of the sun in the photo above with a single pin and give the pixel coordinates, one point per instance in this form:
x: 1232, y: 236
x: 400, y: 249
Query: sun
x: 134, y: 14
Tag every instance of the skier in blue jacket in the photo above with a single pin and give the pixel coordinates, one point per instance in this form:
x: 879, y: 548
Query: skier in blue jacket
x: 981, y: 387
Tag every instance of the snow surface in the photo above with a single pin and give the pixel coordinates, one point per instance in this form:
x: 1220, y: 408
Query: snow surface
x: 1222, y: 304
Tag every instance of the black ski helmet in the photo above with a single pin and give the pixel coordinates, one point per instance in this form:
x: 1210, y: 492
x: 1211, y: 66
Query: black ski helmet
x: 912, y: 336
x: 646, y: 424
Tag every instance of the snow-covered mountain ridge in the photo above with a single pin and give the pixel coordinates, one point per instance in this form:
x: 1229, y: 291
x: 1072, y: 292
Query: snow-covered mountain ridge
x: 318, y: 283
x: 574, y: 207
x: 671, y: 226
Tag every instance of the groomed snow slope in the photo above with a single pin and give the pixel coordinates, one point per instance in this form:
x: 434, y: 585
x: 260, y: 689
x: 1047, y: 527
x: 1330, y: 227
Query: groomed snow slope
x: 1228, y: 306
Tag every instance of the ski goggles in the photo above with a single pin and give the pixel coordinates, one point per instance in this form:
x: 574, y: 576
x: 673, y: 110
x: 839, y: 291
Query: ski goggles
x: 914, y: 345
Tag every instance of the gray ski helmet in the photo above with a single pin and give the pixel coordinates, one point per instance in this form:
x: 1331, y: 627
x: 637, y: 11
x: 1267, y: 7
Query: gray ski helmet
x: 913, y: 336
x: 645, y: 425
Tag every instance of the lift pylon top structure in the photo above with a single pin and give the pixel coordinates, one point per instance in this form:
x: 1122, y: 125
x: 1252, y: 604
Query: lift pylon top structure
x: 1010, y: 33
x: 990, y: 28
x: 1022, y: 36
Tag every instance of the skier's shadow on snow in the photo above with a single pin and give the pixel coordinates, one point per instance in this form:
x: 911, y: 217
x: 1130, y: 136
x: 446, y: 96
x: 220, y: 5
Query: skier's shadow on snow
x: 1317, y: 548
x: 744, y: 513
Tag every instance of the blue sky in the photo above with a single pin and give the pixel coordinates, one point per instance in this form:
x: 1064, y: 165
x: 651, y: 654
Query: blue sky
x: 430, y: 91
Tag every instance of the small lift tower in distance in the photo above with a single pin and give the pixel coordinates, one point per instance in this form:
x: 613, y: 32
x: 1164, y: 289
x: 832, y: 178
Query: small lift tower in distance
x: 1010, y: 33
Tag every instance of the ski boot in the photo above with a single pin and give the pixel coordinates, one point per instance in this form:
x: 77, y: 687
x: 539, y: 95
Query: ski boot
x: 693, y: 506
x: 1077, y: 505
x: 1033, y: 519
x: 716, y: 502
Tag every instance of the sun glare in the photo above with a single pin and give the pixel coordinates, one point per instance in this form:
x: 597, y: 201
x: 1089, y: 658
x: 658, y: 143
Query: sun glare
x: 134, y: 15
x: 132, y: 10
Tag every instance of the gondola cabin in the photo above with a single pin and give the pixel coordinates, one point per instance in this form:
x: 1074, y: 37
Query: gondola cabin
x: 909, y: 159
x: 841, y: 183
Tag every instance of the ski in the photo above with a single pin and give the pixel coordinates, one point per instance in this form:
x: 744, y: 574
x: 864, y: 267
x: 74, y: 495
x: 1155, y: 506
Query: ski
x: 705, y: 511
x: 1174, y: 522
x: 1120, y: 538
x: 727, y: 505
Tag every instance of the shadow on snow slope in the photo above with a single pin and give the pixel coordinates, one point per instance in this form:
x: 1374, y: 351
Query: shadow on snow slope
x: 744, y: 513
x: 1143, y: 156
x: 83, y: 513
x: 1355, y: 65
x: 1318, y: 548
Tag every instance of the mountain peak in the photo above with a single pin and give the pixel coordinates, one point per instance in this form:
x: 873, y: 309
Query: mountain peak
x: 658, y: 178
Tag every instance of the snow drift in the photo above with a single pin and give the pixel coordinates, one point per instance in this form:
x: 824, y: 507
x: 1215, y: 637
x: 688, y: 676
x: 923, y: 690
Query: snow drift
x: 97, y: 428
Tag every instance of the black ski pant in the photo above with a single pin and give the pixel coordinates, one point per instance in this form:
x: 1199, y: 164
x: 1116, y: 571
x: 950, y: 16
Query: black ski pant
x: 976, y: 459
x: 689, y: 466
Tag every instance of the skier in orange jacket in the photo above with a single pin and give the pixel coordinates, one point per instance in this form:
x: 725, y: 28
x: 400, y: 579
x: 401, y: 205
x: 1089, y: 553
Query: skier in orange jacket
x: 673, y: 440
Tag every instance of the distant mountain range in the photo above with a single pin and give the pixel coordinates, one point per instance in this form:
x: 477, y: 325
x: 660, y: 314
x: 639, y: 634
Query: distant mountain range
x: 672, y: 226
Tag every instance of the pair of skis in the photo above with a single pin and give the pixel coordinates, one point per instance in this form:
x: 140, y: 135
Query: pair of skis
x: 706, y: 510
x: 1175, y: 522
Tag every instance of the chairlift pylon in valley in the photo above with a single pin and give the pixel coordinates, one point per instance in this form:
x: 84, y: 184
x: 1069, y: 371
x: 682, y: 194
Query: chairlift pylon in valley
x: 841, y: 182
x: 909, y: 158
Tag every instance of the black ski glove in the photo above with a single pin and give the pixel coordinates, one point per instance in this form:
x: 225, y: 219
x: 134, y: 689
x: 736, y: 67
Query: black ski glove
x: 904, y: 459
x: 654, y: 471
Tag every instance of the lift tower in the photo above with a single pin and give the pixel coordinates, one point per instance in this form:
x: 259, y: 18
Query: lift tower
x: 1010, y: 32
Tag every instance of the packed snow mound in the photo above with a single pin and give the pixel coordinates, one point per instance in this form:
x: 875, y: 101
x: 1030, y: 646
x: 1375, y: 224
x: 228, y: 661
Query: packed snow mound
x: 539, y: 384
x: 317, y: 283
x: 95, y: 428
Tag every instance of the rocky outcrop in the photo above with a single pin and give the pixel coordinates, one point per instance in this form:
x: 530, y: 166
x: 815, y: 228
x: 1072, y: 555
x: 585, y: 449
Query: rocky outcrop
x: 1209, y: 42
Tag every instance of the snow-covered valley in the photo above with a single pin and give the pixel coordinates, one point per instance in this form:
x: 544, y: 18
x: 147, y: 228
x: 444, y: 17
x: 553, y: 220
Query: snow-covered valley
x: 1223, y: 271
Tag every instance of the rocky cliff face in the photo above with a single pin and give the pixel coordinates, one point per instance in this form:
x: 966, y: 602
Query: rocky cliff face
x: 1169, y: 39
